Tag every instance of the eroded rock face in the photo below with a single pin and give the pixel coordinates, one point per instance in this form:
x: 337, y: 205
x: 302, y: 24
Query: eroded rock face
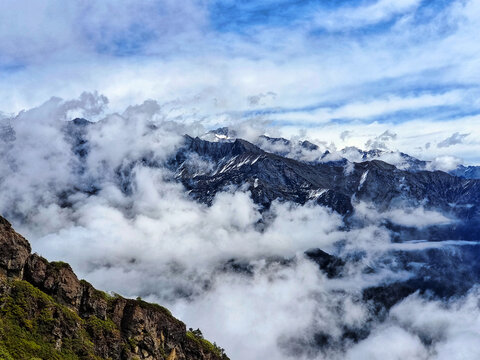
x: 269, y: 177
x: 14, y: 250
x: 103, y: 326
x: 54, y: 278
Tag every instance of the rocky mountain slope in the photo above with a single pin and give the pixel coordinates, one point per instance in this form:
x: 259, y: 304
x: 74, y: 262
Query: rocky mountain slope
x: 270, y: 172
x: 46, y: 312
x: 206, y: 168
x: 270, y: 176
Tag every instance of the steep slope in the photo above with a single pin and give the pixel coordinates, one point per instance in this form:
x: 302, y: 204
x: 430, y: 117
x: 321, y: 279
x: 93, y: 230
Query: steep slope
x: 467, y: 172
x: 207, y: 167
x: 46, y: 312
x: 269, y: 176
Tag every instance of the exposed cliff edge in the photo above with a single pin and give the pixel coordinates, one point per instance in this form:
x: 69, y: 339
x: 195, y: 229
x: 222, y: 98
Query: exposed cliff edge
x: 46, y: 313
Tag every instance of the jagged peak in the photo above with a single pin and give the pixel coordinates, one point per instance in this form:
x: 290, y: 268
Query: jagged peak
x: 221, y: 134
x: 80, y: 122
x: 241, y: 146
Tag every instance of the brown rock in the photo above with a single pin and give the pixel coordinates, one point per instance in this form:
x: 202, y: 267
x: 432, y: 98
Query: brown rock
x: 118, y: 328
x: 14, y: 250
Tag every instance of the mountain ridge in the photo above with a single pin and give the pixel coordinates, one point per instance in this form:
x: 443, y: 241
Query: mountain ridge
x: 47, y: 312
x: 207, y: 167
x: 269, y: 177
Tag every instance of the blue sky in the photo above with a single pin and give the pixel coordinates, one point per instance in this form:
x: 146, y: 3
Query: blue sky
x: 409, y: 66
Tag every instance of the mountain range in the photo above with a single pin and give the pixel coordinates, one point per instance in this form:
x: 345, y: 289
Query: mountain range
x: 419, y: 206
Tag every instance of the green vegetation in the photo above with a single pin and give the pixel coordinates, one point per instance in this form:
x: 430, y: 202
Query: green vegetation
x: 33, y: 326
x: 197, y: 336
x: 58, y: 265
x: 4, y: 354
x: 133, y: 343
x: 147, y: 305
x: 28, y: 320
x: 98, y: 294
x: 98, y: 328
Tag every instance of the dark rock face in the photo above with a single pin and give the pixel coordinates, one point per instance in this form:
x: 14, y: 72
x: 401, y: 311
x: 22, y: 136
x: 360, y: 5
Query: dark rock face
x: 105, y: 326
x: 467, y: 172
x: 206, y: 167
x: 76, y: 134
x: 440, y: 273
x: 15, y: 250
x: 269, y: 177
x: 330, y: 264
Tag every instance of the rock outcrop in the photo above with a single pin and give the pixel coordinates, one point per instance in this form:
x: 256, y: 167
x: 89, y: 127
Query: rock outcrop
x: 46, y: 312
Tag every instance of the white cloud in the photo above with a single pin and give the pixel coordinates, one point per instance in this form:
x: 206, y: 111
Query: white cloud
x: 142, y: 243
x: 417, y: 217
x: 376, y: 107
x: 450, y: 327
x: 33, y: 32
x: 392, y: 343
x: 348, y: 18
x: 403, y: 214
x: 156, y: 242
x: 455, y: 139
x: 444, y: 163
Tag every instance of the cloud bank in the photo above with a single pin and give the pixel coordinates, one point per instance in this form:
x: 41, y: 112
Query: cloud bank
x: 366, y: 67
x: 240, y: 274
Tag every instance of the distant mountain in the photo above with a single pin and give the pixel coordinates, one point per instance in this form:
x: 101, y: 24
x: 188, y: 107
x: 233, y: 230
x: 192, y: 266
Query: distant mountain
x: 208, y: 167
x: 337, y: 185
x: 467, y: 172
x: 270, y: 169
x: 304, y: 150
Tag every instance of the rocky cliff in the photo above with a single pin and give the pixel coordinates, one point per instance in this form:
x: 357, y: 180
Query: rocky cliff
x: 46, y: 312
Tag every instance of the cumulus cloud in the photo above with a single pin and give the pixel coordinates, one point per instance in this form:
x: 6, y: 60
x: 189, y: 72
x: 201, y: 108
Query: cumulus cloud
x: 124, y: 223
x: 448, y: 327
x: 444, y: 163
x: 88, y: 105
x: 417, y: 217
x: 389, y: 343
x: 455, y: 139
x: 396, y: 74
x: 404, y: 215
x: 345, y: 134
x: 379, y: 142
x: 260, y: 99
x: 419, y: 328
